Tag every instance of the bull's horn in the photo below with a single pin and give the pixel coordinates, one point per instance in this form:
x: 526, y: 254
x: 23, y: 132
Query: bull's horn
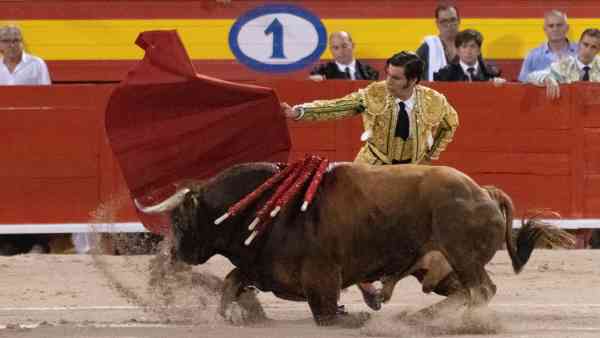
x: 167, y: 205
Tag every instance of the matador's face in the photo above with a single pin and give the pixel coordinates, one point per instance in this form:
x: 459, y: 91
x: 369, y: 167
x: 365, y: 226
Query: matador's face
x: 397, y: 83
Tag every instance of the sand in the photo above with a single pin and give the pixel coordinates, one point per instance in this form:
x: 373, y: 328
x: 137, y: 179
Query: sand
x: 557, y: 295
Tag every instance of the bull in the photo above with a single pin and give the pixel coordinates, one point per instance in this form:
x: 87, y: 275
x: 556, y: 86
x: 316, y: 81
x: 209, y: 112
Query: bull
x: 366, y: 223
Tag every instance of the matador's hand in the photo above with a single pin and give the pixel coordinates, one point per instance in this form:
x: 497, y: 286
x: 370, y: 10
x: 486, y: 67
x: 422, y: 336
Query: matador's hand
x: 288, y: 111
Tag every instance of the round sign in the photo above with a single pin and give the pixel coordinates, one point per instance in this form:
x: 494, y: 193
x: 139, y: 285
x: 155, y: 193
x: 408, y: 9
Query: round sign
x: 277, y: 38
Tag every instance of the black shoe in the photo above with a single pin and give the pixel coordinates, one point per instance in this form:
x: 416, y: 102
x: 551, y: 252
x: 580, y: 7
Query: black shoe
x: 373, y: 300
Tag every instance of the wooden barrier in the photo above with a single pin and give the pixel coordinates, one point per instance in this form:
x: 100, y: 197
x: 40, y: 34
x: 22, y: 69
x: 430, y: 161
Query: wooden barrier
x: 58, y: 168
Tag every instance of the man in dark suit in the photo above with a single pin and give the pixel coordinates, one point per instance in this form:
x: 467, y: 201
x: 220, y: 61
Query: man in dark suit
x: 470, y: 66
x: 343, y: 66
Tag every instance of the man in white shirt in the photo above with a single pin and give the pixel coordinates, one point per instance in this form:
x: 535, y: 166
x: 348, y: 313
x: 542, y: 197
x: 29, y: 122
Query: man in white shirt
x: 439, y: 50
x: 583, y: 67
x: 16, y: 66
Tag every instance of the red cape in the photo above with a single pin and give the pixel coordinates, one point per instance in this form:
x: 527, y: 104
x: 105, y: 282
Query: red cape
x: 166, y: 123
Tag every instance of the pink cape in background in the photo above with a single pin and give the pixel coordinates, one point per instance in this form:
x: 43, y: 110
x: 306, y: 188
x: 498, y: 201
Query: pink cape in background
x: 166, y: 123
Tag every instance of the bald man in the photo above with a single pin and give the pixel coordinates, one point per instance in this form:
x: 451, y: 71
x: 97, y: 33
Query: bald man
x: 343, y: 66
x: 558, y: 45
x: 16, y: 66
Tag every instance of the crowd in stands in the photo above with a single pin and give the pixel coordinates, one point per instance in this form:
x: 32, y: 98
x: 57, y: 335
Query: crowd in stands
x: 455, y: 55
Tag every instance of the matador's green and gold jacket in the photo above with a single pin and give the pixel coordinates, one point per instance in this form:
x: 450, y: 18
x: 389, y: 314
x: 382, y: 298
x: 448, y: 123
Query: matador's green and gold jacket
x: 432, y: 125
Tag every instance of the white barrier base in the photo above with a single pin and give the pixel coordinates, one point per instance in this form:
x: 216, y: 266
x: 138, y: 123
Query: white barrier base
x: 67, y: 228
x: 60, y: 228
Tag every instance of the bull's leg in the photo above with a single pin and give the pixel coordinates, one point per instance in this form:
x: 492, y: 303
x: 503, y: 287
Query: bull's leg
x: 322, y: 283
x: 482, y: 293
x: 388, y: 283
x: 450, y: 285
x: 471, y: 287
x: 478, y: 318
x: 371, y: 295
x: 239, y: 304
x: 435, y: 267
x: 452, y: 303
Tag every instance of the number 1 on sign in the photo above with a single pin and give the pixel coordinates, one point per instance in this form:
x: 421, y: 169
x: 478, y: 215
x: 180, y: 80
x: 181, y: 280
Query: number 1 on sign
x: 276, y: 28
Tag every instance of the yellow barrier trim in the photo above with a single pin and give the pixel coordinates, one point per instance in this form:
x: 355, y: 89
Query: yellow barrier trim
x: 207, y: 39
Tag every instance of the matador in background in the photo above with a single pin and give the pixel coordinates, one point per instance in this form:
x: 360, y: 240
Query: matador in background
x: 404, y: 123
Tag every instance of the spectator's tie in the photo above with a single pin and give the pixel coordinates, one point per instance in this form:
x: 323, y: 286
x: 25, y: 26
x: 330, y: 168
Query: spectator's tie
x: 586, y: 73
x: 403, y: 122
x: 471, y: 71
x: 347, y: 71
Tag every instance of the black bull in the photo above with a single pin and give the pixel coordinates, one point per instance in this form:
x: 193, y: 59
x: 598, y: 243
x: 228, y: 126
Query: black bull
x: 365, y: 223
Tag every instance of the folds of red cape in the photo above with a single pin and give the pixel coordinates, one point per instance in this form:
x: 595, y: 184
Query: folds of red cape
x: 167, y: 124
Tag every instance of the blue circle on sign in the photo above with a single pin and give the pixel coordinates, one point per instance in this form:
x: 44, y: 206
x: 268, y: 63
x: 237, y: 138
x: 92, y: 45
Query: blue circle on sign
x: 277, y: 38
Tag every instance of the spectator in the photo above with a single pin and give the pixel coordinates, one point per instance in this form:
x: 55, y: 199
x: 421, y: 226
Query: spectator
x: 555, y: 28
x: 404, y: 123
x: 344, y: 65
x: 583, y: 67
x: 438, y: 51
x: 470, y: 66
x: 16, y: 66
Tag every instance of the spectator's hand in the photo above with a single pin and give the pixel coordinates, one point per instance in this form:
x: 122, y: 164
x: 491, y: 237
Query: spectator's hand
x: 552, y: 89
x: 288, y: 111
x: 317, y: 77
x: 498, y: 81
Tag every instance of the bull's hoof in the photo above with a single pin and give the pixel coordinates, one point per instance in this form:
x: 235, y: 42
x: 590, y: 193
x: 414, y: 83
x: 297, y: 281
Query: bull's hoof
x: 240, y: 315
x: 326, y: 320
x: 372, y: 299
x: 347, y: 320
x: 235, y: 314
x: 480, y: 320
x: 353, y: 320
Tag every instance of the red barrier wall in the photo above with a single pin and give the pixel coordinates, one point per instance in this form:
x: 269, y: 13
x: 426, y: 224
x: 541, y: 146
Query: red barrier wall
x: 57, y: 167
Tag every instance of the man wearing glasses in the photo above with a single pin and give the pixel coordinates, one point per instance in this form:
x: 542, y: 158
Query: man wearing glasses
x: 438, y: 51
x: 16, y: 66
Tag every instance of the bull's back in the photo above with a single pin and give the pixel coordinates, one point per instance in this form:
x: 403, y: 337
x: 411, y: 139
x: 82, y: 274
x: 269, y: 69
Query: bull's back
x: 370, y: 218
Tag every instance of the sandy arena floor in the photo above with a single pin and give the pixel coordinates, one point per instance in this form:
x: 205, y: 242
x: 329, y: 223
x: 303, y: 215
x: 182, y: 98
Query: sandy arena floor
x: 557, y: 295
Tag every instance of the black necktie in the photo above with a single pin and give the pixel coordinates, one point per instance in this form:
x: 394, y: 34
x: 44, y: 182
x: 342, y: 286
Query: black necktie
x: 586, y: 73
x: 347, y: 71
x: 471, y: 71
x: 402, y: 125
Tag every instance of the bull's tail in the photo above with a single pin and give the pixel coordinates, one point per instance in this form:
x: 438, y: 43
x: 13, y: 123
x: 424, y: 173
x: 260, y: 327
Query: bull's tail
x: 518, y: 257
x: 532, y: 230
